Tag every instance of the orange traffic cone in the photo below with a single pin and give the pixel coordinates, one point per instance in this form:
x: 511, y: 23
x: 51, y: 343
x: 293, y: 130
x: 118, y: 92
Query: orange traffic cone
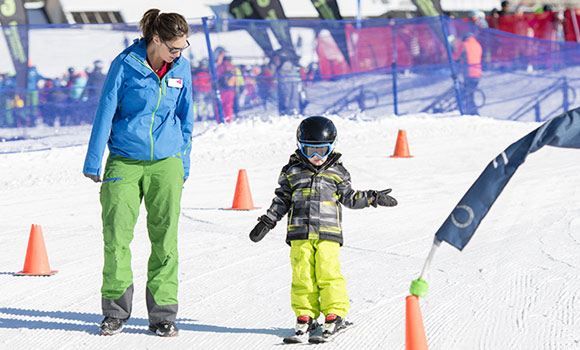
x: 402, y: 147
x: 243, y: 196
x: 415, y: 338
x: 36, y: 262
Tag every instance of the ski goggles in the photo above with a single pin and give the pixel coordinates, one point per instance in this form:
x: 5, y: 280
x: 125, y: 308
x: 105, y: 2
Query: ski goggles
x: 321, y: 150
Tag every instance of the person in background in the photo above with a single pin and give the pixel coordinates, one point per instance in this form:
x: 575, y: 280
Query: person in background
x: 544, y: 8
x: 32, y: 96
x: 202, y: 90
x: 78, y: 85
x: 227, y: 79
x: 288, y: 80
x: 266, y: 84
x: 313, y: 186
x: 477, y: 17
x: 4, y: 104
x: 75, y: 84
x: 469, y: 54
x: 69, y: 79
x: 560, y: 35
x: 505, y: 9
x: 46, y: 103
x: 240, y: 91
x: 250, y: 75
x: 55, y: 109
x: 92, y: 90
x: 145, y: 116
x: 96, y: 79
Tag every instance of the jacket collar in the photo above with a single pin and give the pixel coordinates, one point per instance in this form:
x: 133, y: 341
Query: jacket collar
x: 137, y: 57
x: 332, y: 159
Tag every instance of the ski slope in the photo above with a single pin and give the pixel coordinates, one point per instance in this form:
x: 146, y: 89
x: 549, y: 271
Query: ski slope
x: 515, y: 285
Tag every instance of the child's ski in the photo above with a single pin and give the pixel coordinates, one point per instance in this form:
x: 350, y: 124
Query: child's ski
x: 302, y: 337
x: 326, y: 337
x: 295, y: 339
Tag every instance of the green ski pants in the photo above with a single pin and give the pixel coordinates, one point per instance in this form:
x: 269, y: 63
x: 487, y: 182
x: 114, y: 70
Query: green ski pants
x: 317, y: 284
x: 126, y: 183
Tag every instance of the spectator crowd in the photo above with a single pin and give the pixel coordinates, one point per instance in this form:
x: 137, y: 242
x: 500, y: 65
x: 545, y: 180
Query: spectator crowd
x: 274, y: 82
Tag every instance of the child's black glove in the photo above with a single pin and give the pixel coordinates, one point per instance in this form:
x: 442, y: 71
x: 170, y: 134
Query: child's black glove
x: 265, y: 224
x: 383, y: 199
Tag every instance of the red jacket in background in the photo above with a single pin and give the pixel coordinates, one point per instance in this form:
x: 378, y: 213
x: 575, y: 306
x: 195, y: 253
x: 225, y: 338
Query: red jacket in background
x: 202, y: 82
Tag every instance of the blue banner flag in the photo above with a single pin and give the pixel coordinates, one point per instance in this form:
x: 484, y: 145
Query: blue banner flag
x: 13, y: 22
x: 460, y: 225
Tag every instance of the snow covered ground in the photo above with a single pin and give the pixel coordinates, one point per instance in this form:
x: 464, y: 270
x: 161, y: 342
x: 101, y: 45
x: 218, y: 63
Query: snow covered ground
x: 515, y: 285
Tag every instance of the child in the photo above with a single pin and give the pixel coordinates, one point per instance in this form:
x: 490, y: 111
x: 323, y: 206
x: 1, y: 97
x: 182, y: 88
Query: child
x: 312, y: 186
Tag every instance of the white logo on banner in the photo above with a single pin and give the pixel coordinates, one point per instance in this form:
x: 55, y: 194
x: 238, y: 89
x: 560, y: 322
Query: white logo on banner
x: 505, y: 160
x: 469, y: 220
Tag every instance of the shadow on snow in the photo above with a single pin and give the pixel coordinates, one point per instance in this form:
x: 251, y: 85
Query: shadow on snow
x: 88, y: 322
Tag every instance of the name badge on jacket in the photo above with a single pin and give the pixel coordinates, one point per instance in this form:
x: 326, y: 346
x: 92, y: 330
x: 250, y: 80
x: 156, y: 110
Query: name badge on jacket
x: 175, y: 82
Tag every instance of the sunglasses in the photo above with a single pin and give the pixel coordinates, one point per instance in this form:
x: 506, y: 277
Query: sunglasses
x: 310, y: 150
x: 174, y: 50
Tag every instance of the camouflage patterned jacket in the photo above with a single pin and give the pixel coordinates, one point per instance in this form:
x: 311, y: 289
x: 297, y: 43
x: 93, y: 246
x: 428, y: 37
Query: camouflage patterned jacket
x: 312, y: 196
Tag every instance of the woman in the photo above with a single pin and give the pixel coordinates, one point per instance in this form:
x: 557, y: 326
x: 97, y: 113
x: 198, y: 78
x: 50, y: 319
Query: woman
x: 145, y: 115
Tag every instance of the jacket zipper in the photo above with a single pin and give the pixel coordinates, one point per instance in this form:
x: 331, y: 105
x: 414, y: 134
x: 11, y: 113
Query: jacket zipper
x: 158, y: 100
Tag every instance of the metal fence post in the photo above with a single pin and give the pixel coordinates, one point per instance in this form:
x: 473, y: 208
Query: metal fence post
x: 394, y: 69
x: 451, y: 64
x: 214, y: 81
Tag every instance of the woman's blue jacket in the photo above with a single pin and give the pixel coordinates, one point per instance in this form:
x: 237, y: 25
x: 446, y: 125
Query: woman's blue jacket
x: 141, y: 116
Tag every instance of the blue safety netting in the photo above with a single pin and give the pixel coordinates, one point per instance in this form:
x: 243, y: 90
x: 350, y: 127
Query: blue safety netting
x: 255, y: 68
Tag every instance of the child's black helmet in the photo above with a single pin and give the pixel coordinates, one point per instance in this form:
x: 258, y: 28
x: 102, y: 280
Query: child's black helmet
x: 316, y: 130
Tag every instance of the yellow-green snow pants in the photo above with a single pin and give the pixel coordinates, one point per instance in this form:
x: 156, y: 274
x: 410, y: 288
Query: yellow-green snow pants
x: 126, y: 183
x: 317, y: 284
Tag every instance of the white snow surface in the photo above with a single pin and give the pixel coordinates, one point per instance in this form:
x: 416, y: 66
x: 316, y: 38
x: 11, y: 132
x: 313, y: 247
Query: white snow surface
x: 514, y: 286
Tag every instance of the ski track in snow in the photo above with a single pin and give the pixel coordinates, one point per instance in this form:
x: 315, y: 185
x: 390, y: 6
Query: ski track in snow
x: 514, y: 286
